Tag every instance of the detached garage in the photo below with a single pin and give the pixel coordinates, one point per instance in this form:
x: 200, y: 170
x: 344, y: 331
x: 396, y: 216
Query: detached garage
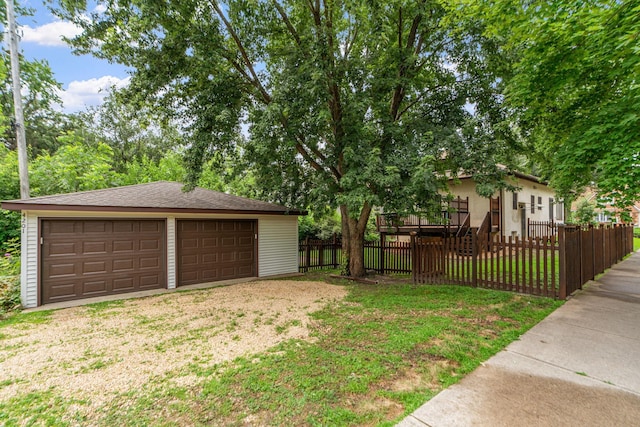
x: 148, y: 236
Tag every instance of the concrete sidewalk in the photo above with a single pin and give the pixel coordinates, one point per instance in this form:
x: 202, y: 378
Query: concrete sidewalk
x: 578, y: 367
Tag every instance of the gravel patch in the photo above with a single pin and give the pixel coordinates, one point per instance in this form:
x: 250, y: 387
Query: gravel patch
x: 95, y: 353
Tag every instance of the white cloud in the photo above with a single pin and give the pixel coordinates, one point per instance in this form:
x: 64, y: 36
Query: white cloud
x: 89, y: 93
x: 50, y: 34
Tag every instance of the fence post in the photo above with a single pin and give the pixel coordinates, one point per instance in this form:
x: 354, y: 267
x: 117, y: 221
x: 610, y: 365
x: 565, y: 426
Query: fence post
x: 383, y: 239
x: 307, y: 253
x: 334, y: 251
x: 474, y: 259
x: 414, y: 257
x: 562, y: 261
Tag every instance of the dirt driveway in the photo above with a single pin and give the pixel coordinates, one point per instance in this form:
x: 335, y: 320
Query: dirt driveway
x: 98, y: 352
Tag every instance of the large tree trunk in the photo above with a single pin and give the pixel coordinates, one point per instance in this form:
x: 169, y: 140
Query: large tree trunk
x: 353, y: 230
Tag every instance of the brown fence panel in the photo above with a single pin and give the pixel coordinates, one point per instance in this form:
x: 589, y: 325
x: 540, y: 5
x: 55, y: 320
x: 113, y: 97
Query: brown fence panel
x: 598, y: 250
x: 526, y: 266
x: 570, y: 260
x: 319, y: 254
x: 548, y: 266
x: 428, y: 260
x: 586, y: 254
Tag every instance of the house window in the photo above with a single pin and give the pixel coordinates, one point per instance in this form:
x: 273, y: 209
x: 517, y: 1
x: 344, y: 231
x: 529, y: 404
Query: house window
x: 550, y: 208
x: 559, y: 211
x: 539, y: 203
x: 533, y: 204
x: 515, y: 201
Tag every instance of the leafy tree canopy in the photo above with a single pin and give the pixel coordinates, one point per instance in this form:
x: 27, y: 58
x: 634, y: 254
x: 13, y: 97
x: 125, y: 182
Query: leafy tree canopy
x: 43, y: 123
x: 574, y: 88
x: 342, y: 103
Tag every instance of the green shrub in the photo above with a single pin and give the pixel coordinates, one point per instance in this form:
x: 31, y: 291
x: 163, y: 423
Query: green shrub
x: 10, y: 259
x: 9, y: 294
x: 636, y: 232
x: 9, y: 277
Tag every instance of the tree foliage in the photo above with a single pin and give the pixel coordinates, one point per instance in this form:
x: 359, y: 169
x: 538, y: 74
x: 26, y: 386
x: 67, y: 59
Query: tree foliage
x: 585, y: 212
x: 574, y: 88
x: 43, y: 123
x: 132, y: 133
x: 341, y: 103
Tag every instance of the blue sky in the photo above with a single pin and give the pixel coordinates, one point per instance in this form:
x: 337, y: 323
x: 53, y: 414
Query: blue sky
x: 85, y: 79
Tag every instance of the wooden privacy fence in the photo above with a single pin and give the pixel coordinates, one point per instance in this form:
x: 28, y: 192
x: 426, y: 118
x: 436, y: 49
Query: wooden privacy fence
x: 547, y: 266
x: 587, y: 251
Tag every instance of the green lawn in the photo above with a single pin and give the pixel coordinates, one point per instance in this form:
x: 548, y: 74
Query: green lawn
x: 378, y: 356
x: 374, y: 358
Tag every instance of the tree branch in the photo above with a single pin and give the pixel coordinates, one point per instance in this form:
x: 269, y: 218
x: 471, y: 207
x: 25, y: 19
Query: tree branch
x: 403, y: 67
x: 364, y: 217
x: 287, y: 22
x: 255, y: 79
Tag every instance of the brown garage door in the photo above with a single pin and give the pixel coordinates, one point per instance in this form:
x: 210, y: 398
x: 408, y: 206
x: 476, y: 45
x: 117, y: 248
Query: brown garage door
x: 88, y: 258
x: 212, y: 250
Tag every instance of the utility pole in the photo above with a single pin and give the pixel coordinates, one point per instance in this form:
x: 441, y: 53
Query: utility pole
x: 21, y: 140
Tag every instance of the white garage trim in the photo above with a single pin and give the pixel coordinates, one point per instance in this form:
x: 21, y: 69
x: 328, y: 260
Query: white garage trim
x: 171, y: 252
x: 29, y: 261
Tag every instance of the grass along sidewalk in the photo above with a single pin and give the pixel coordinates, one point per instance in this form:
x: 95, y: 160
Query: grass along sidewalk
x: 373, y: 358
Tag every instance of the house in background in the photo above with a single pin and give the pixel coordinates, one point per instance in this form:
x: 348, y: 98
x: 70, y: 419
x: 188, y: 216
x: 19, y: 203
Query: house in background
x: 148, y: 236
x: 606, y: 212
x: 506, y: 213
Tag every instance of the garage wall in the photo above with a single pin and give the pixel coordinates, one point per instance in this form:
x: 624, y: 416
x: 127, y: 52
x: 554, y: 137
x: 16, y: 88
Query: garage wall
x: 277, y: 245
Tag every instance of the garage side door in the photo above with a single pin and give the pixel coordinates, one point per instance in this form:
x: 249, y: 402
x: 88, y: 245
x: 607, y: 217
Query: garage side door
x: 88, y: 258
x: 212, y: 250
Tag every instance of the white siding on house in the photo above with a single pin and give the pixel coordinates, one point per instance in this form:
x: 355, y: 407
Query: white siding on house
x: 511, y: 218
x: 171, y: 253
x: 478, y: 205
x: 29, y: 260
x: 277, y: 245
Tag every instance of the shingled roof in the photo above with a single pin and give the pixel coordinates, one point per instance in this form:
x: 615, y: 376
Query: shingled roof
x: 159, y: 196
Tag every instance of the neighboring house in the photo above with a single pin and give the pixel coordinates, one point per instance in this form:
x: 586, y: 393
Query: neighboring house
x: 148, y: 236
x: 635, y: 214
x: 606, y: 212
x: 507, y: 213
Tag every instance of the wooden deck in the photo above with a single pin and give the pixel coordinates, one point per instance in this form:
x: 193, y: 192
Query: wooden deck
x: 454, y: 220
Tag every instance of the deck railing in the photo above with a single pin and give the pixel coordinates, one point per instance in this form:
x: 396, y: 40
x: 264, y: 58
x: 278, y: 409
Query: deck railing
x: 451, y: 218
